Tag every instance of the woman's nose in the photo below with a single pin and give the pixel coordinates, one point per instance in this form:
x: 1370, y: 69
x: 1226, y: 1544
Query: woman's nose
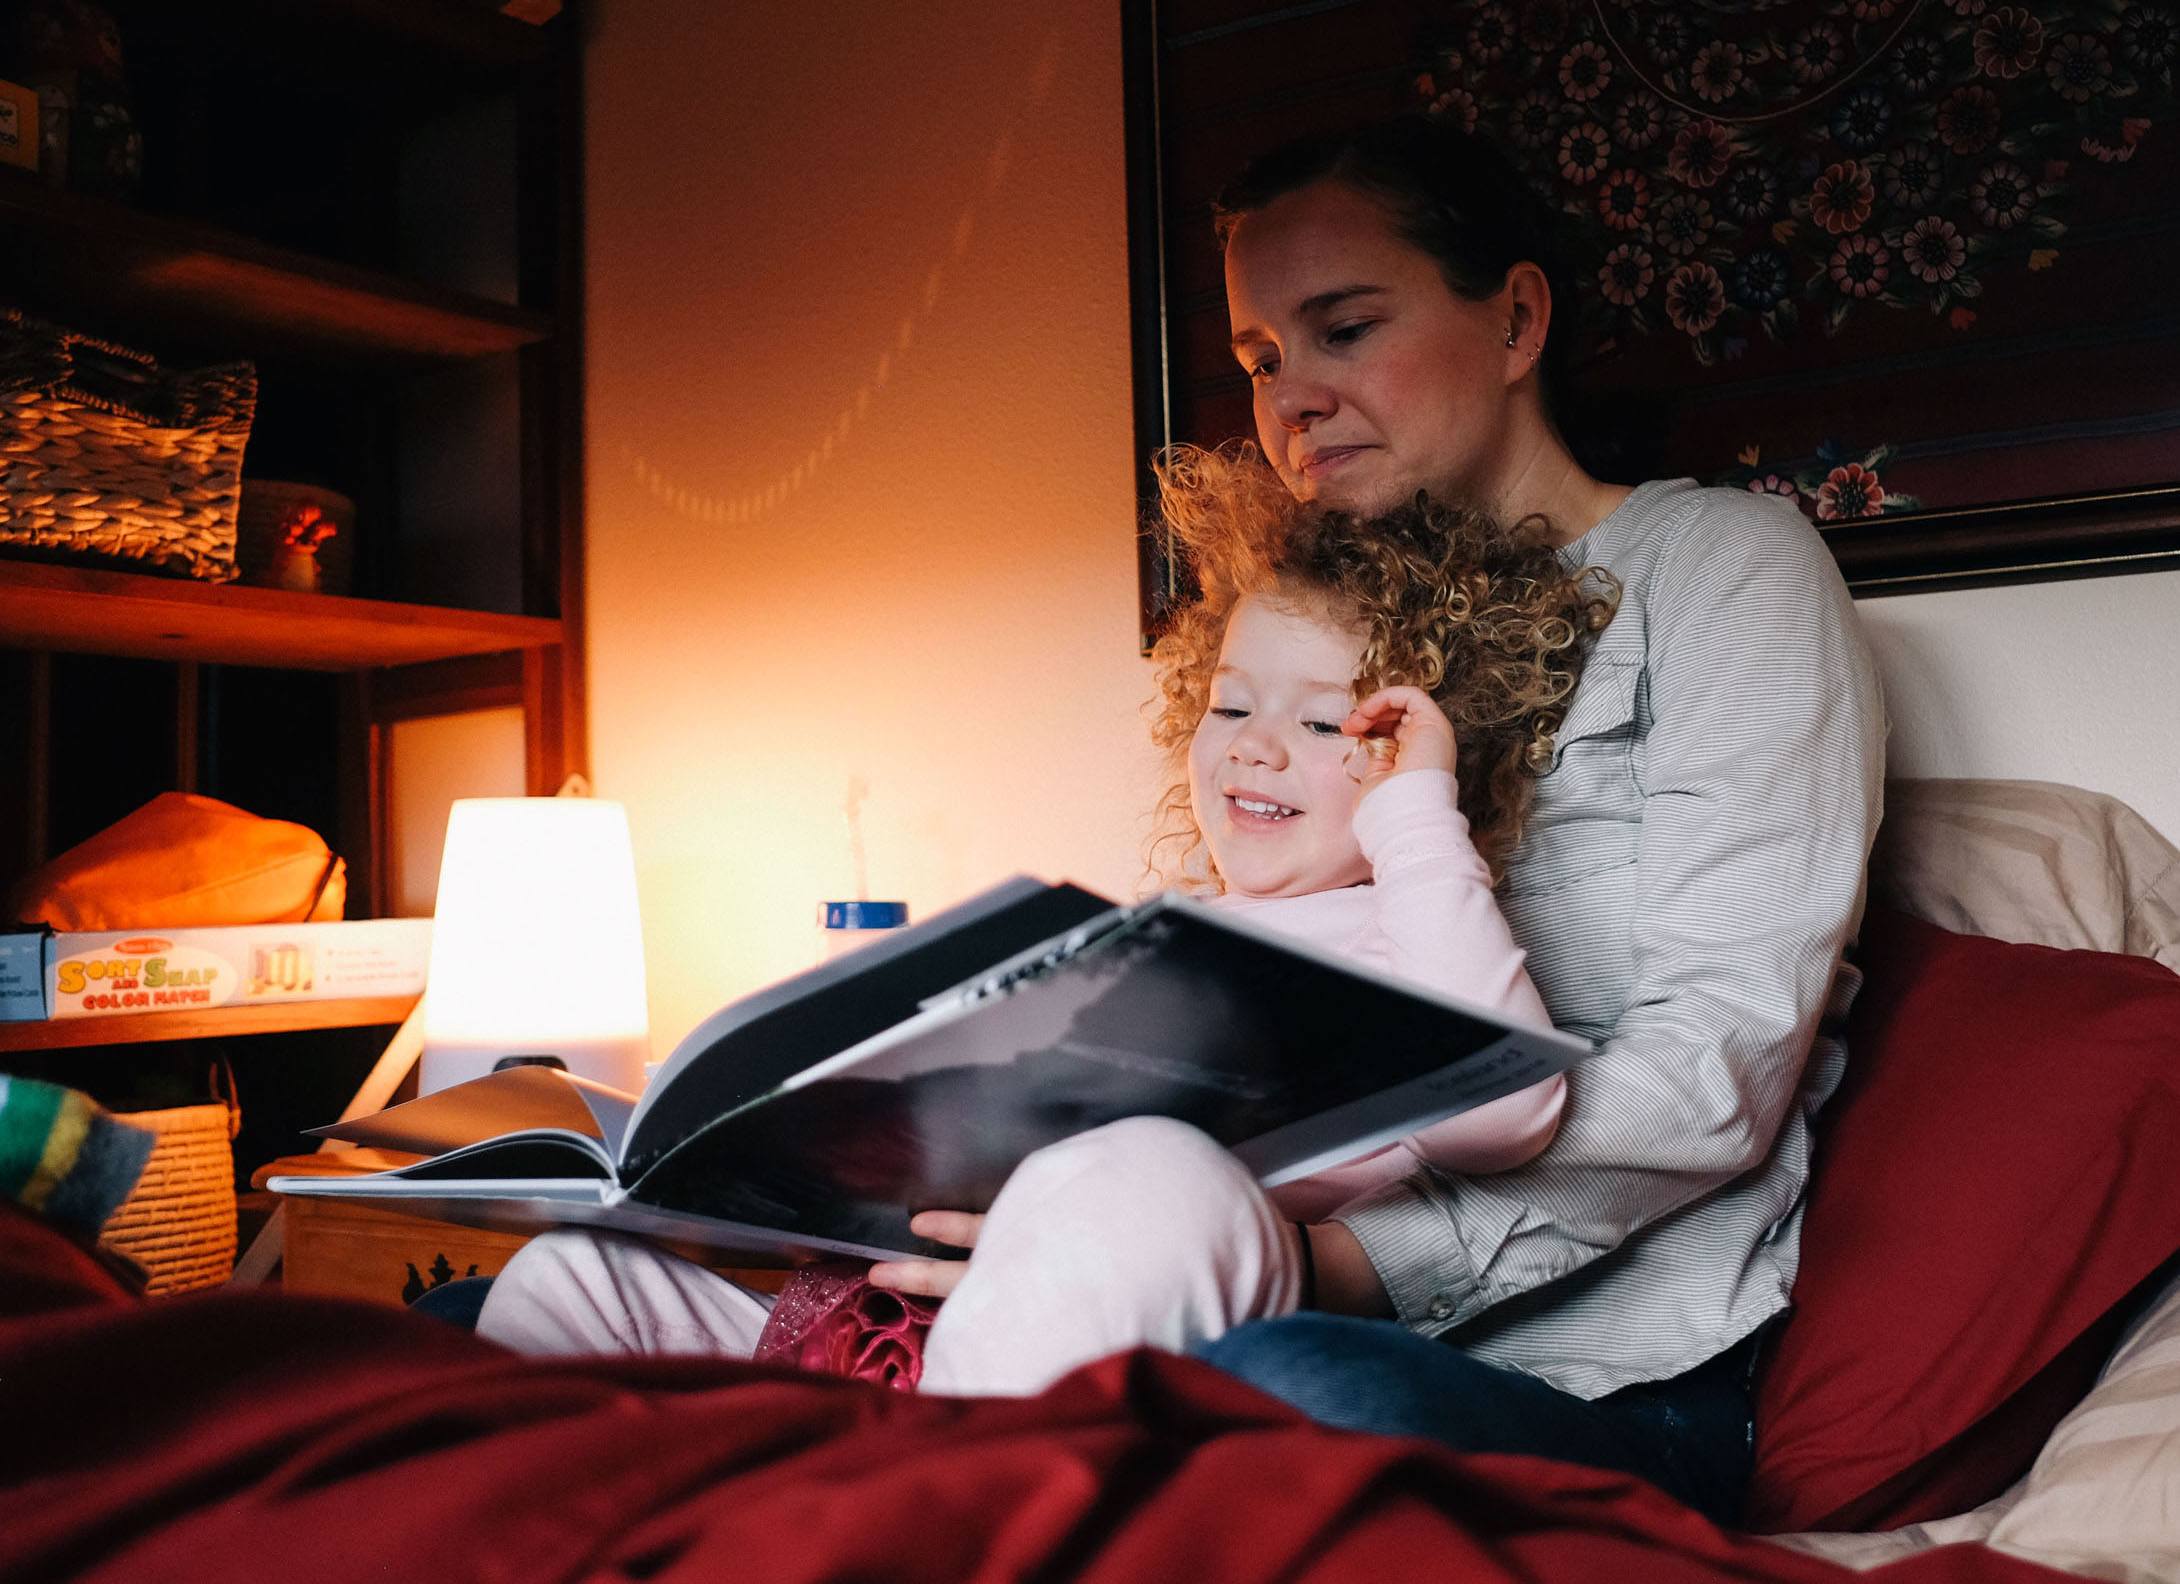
x: 1297, y: 400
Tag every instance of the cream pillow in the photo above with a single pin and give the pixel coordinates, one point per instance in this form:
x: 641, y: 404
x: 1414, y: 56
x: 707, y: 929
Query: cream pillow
x: 2104, y: 1496
x: 2029, y: 861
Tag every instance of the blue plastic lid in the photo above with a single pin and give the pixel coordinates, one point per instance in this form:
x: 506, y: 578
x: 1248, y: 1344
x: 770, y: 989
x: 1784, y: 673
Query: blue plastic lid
x: 862, y: 915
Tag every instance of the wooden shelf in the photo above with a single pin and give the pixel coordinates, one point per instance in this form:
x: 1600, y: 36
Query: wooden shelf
x: 92, y: 612
x: 149, y: 274
x: 135, y: 1027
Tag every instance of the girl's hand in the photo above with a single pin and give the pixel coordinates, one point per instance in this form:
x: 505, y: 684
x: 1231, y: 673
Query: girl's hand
x: 931, y: 1278
x: 1409, y: 721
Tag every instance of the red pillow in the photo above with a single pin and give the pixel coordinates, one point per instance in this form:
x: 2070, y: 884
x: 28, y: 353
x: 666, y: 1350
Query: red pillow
x: 1996, y: 1172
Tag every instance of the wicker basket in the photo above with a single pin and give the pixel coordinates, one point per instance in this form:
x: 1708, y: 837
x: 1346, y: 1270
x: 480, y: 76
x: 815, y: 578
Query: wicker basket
x: 179, y: 1223
x: 106, y: 456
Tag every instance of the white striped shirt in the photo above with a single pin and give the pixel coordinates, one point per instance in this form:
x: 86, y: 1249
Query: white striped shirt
x: 1690, y: 874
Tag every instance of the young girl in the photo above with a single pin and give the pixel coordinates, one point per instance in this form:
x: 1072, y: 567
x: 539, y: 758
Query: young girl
x: 1461, y: 638
x: 1369, y: 828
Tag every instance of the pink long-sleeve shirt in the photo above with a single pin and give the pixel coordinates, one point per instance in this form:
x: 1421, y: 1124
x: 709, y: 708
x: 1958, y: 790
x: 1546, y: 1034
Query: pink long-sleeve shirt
x: 1428, y: 917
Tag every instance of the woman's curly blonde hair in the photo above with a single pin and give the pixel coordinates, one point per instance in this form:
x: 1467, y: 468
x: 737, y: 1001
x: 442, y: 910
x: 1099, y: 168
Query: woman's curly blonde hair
x: 1477, y: 613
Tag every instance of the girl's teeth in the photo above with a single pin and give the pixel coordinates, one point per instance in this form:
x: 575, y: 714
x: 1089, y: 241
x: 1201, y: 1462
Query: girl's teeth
x: 1263, y: 810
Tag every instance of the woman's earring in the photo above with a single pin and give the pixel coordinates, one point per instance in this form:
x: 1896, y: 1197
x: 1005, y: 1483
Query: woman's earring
x: 1510, y: 338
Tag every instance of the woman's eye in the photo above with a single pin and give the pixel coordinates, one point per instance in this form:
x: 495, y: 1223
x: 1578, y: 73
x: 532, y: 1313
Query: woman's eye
x: 1355, y: 330
x: 1262, y: 369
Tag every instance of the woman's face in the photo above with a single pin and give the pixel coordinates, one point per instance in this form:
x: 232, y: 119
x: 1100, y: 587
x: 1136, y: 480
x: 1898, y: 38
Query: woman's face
x: 1372, y: 378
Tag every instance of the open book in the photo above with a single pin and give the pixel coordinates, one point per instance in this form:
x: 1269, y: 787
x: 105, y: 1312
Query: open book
x: 816, y: 1116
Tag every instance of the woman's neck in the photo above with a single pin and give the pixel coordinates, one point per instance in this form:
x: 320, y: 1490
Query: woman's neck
x: 1541, y: 478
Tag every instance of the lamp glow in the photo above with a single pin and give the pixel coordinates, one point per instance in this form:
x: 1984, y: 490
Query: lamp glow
x: 537, y: 950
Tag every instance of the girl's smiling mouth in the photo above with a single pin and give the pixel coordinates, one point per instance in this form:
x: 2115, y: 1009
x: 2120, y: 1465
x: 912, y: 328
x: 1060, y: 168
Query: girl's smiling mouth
x: 1256, y: 808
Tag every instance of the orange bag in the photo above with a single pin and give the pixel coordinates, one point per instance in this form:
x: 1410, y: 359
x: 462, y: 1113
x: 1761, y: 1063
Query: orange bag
x: 184, y: 860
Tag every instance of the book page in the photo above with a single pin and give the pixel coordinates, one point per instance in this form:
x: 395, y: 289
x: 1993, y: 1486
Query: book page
x: 521, y: 1098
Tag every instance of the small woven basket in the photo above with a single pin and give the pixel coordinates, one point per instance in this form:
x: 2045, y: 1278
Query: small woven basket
x: 106, y: 456
x: 179, y: 1223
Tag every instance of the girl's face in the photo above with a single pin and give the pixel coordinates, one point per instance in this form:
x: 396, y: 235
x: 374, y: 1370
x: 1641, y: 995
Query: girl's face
x: 1373, y: 379
x: 1267, y: 768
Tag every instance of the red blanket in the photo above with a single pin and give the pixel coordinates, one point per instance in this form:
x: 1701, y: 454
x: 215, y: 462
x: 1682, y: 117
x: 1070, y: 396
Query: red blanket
x: 231, y: 1438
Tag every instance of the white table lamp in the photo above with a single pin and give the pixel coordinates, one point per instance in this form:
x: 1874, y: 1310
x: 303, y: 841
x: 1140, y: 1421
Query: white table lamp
x: 537, y: 951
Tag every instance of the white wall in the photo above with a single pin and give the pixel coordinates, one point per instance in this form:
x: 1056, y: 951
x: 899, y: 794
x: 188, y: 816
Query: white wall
x: 860, y: 464
x: 431, y: 761
x: 2075, y: 681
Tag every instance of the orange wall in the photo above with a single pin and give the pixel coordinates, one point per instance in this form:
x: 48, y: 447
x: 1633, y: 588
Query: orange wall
x: 859, y: 445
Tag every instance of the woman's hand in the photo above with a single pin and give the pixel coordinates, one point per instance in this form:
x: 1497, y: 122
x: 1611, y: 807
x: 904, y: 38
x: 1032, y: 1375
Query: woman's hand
x: 1401, y: 728
x: 931, y: 1278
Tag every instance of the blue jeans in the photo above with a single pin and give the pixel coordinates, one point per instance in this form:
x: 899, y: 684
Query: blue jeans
x: 455, y: 1302
x: 1691, y: 1436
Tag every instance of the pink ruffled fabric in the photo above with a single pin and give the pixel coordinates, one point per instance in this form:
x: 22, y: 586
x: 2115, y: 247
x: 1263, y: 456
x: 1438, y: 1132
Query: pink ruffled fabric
x: 831, y: 1320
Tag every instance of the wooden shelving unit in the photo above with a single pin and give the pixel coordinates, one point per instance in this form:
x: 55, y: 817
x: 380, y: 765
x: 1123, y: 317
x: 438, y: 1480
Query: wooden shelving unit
x: 289, y: 148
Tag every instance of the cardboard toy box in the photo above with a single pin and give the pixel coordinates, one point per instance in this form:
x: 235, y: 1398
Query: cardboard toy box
x: 119, y: 972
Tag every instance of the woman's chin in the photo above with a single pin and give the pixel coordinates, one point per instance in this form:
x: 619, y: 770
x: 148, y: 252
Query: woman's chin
x: 1361, y: 492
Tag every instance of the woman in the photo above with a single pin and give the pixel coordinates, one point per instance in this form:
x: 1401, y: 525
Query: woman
x: 1692, y: 869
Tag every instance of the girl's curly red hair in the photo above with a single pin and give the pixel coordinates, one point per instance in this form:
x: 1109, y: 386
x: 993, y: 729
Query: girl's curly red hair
x: 1479, y: 614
